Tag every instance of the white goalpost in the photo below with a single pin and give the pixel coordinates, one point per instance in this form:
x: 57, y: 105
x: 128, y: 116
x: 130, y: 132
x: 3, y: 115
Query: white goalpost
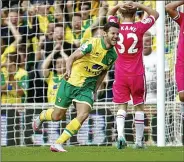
x: 160, y: 25
x: 163, y: 125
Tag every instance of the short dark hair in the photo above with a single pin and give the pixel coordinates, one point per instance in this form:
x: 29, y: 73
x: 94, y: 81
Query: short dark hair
x: 22, y: 48
x: 110, y: 24
x: 59, y: 25
x: 85, y: 3
x: 77, y: 14
x: 93, y: 30
x: 14, y: 57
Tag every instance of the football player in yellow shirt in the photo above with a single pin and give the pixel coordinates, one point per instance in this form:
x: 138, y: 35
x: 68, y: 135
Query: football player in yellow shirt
x: 85, y: 71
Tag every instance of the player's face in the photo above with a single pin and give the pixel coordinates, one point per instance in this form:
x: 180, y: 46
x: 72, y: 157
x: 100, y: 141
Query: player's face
x: 112, y: 36
x: 60, y: 66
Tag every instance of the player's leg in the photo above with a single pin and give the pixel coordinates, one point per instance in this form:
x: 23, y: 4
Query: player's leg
x: 138, y: 89
x: 121, y: 96
x: 180, y: 87
x: 83, y: 103
x: 62, y: 102
x: 52, y: 114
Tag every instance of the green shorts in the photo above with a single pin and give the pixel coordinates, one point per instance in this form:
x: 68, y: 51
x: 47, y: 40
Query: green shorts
x: 68, y: 93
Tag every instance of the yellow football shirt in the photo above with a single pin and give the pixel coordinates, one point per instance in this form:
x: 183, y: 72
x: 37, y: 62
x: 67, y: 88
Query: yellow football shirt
x: 85, y: 71
x: 11, y: 96
x: 53, y: 82
x: 9, y: 49
x: 70, y: 36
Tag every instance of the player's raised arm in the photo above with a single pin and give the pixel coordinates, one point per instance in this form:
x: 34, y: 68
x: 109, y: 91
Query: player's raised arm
x: 171, y: 8
x: 149, y: 10
x: 113, y: 11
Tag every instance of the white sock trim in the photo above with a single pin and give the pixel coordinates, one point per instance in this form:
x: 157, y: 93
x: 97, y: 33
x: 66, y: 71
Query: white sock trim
x: 139, y: 117
x: 121, y: 113
x: 139, y: 125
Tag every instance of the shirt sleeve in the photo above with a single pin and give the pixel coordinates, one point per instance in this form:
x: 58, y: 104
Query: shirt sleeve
x: 179, y: 18
x: 113, y: 19
x: 86, y: 47
x: 147, y: 23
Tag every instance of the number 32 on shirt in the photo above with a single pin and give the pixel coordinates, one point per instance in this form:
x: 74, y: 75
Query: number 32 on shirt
x: 132, y: 49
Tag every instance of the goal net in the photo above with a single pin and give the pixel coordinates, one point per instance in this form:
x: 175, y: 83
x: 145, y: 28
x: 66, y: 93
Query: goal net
x: 31, y: 33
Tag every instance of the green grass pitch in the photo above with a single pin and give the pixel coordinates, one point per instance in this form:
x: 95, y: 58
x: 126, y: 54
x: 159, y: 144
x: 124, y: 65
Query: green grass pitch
x: 92, y: 153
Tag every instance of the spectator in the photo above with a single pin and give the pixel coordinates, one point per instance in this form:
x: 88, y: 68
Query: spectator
x: 4, y: 15
x: 53, y: 76
x: 22, y: 52
x: 14, y: 81
x: 150, y: 62
x: 6, y: 32
x: 74, y: 32
x: 87, y: 18
x: 95, y: 26
x: 48, y: 41
x: 16, y: 38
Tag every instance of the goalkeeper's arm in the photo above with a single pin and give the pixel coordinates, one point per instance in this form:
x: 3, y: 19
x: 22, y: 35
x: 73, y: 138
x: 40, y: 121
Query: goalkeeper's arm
x: 171, y: 8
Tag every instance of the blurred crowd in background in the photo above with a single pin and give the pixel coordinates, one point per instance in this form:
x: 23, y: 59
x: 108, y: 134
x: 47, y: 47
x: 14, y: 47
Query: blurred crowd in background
x: 37, y: 36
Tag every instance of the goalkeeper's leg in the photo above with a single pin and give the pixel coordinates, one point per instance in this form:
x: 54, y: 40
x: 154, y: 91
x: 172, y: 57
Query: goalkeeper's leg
x: 52, y: 114
x: 72, y: 128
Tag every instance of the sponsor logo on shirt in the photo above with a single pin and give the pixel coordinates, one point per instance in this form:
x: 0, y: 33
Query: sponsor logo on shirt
x: 97, y: 67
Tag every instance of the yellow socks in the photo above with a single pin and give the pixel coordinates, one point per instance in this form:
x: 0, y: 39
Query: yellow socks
x: 46, y: 115
x: 71, y: 129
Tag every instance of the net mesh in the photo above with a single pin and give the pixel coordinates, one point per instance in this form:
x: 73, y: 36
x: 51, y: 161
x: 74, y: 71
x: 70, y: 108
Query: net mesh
x: 32, y: 31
